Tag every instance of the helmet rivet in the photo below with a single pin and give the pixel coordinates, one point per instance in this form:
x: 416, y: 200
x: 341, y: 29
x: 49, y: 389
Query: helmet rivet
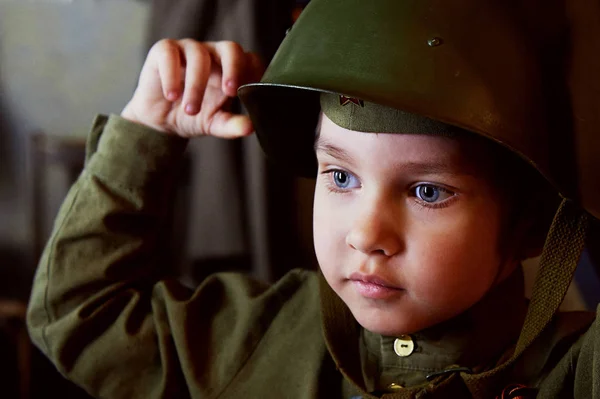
x: 434, y: 42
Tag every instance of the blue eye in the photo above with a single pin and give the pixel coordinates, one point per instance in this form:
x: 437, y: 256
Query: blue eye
x: 430, y: 193
x: 343, y: 179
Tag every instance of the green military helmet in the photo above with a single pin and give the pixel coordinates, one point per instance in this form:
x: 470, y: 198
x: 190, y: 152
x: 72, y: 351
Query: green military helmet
x: 503, y: 69
x: 496, y: 68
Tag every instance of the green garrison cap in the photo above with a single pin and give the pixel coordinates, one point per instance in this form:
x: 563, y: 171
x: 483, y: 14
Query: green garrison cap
x: 522, y: 73
x: 362, y: 116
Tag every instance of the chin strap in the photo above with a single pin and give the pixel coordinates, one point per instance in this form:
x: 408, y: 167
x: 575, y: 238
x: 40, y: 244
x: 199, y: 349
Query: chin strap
x: 560, y: 256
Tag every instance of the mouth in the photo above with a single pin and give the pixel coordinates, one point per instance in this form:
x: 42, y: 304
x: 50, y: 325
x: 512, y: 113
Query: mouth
x: 374, y: 287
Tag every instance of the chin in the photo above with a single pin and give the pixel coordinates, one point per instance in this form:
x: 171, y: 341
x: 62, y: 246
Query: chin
x: 390, y: 331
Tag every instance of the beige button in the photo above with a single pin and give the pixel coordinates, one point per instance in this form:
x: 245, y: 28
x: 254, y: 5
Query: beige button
x: 404, y: 345
x: 395, y: 386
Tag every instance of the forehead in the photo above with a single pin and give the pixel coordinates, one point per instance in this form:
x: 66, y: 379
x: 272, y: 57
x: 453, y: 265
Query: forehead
x: 469, y: 153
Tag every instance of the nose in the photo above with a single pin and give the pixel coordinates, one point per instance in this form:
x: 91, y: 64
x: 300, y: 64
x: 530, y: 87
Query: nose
x: 376, y: 231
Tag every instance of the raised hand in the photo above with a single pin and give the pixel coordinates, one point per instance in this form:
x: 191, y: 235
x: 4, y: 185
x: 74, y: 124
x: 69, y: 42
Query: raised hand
x: 186, y: 87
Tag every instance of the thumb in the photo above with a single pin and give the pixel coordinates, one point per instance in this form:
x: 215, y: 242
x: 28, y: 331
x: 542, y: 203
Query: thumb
x: 228, y: 125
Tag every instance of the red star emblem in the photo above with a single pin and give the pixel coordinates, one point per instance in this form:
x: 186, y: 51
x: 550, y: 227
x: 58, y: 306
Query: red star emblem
x: 347, y: 100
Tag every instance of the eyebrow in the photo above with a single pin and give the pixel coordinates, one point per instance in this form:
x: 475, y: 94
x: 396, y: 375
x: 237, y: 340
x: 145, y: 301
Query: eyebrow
x: 431, y: 167
x: 322, y: 145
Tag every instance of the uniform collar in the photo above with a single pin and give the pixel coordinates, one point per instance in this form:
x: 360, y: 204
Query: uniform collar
x: 476, y: 339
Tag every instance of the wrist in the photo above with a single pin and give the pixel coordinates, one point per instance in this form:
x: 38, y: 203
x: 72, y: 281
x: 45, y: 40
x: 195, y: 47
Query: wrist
x: 132, y: 116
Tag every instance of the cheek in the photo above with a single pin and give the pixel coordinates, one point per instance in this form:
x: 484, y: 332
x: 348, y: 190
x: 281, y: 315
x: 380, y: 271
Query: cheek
x: 327, y: 227
x: 332, y: 218
x: 458, y: 261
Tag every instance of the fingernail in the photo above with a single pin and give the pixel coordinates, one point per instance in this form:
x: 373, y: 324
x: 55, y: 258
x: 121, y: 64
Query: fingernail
x: 172, y: 95
x: 191, y: 109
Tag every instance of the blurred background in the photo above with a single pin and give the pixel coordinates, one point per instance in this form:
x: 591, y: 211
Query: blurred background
x: 64, y: 61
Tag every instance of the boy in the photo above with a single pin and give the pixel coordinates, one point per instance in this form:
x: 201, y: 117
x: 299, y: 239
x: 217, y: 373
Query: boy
x: 419, y: 225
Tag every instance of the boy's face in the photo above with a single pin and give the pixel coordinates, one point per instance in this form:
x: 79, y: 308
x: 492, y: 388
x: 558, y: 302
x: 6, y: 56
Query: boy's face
x: 407, y: 227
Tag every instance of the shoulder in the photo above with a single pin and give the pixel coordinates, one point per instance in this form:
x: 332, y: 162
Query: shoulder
x: 565, y: 332
x: 295, y: 283
x: 565, y: 354
x: 296, y: 279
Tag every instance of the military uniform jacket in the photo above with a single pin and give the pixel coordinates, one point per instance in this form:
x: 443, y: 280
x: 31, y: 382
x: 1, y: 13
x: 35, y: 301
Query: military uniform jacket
x: 106, y: 311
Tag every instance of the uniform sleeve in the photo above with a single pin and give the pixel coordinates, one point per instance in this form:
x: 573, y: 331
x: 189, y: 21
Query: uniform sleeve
x: 104, y: 307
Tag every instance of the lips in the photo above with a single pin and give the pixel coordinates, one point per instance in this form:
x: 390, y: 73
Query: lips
x: 372, y: 279
x: 374, y: 287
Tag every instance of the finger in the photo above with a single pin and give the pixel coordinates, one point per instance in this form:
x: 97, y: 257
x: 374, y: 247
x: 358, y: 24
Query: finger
x: 228, y: 125
x: 168, y: 59
x: 233, y: 61
x: 197, y: 72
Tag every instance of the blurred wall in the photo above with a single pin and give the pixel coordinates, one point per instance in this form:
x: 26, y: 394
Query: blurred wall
x: 61, y: 62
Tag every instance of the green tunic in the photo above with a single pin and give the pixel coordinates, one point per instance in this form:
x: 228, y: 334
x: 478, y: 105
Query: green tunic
x: 106, y: 311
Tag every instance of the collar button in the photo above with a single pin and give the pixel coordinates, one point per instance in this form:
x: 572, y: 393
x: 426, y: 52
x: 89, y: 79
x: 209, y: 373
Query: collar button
x: 404, y: 345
